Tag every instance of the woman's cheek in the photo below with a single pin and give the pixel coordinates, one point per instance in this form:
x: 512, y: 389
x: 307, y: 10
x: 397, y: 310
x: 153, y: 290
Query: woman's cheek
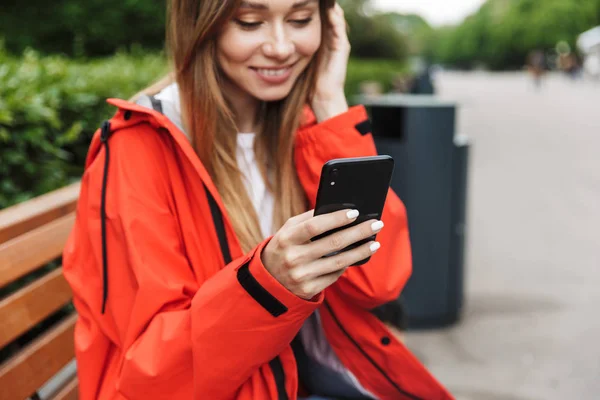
x: 307, y: 44
x: 237, y: 46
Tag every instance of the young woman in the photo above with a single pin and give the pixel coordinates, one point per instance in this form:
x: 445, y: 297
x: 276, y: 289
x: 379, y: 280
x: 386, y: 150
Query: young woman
x: 191, y: 262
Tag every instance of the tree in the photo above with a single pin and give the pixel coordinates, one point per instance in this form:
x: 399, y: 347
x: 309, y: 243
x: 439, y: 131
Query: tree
x: 503, y: 32
x: 371, y: 34
x: 75, y: 27
x: 99, y: 27
x: 415, y: 30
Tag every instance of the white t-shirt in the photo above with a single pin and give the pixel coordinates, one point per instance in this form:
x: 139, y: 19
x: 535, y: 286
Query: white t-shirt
x: 253, y: 181
x: 312, y: 334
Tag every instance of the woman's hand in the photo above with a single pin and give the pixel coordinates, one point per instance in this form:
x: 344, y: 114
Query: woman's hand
x: 298, y: 264
x: 329, y: 99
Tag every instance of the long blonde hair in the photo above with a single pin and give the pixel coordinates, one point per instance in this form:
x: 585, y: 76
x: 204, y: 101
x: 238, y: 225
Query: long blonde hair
x: 192, y: 29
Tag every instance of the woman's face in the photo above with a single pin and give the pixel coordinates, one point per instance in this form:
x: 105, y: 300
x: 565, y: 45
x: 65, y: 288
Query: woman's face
x: 268, y: 44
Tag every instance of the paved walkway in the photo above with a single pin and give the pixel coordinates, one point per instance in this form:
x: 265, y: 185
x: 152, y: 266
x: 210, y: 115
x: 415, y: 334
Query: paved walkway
x: 531, y: 326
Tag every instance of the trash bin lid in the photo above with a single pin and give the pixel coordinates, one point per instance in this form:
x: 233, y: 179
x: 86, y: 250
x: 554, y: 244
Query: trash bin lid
x: 461, y: 140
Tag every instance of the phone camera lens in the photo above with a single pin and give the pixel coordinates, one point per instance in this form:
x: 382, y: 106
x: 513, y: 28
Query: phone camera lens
x: 334, y: 173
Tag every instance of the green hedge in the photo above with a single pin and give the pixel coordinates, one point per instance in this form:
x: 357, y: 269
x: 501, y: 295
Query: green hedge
x: 50, y: 107
x: 381, y: 71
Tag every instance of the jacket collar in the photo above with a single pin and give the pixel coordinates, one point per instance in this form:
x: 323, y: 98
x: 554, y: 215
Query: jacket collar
x: 130, y: 114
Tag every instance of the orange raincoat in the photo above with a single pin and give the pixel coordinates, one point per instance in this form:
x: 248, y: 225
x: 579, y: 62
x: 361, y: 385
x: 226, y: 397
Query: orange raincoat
x: 188, y: 315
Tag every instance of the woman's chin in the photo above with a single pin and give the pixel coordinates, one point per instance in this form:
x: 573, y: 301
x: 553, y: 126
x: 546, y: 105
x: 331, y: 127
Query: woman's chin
x: 272, y: 97
x: 272, y: 94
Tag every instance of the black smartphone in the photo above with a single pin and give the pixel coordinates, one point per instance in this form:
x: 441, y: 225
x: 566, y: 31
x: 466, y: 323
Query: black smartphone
x: 354, y: 183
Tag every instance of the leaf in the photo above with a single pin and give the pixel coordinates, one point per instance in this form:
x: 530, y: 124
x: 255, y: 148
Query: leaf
x: 4, y: 135
x: 71, y: 135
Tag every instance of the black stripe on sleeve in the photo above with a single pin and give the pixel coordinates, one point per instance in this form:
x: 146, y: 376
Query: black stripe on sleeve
x: 364, y: 127
x: 259, y: 293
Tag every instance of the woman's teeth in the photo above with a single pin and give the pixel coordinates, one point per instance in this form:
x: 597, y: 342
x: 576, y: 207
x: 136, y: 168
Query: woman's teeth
x: 272, y: 72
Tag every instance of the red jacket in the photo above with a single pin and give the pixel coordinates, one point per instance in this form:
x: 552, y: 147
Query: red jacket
x: 179, y: 323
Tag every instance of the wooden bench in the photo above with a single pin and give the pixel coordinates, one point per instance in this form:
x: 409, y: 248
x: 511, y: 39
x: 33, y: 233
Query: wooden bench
x: 36, y: 319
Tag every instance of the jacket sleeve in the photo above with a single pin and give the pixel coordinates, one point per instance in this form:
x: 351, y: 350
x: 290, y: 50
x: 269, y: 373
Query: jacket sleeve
x: 180, y: 328
x: 349, y: 135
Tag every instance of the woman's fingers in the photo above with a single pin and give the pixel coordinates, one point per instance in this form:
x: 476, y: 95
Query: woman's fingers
x: 338, y: 22
x: 299, y: 265
x: 300, y: 218
x: 306, y: 229
x: 340, y: 240
x: 317, y: 285
x: 330, y: 265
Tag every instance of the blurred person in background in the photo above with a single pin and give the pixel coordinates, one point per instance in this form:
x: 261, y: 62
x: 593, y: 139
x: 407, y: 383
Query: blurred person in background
x: 191, y: 260
x: 536, y: 65
x: 568, y: 62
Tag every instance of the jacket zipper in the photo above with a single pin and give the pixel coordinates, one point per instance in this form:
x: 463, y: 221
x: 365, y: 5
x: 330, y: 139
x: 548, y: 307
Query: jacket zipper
x: 275, y: 364
x: 364, y: 353
x: 104, y: 135
x: 279, y: 375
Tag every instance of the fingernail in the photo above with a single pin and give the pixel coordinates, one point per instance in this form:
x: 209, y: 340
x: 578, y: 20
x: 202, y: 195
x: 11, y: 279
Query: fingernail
x: 377, y: 226
x: 352, y: 214
x: 375, y: 246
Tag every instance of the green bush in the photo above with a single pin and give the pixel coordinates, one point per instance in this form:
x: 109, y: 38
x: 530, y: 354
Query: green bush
x: 49, y: 109
x: 51, y: 106
x: 381, y: 71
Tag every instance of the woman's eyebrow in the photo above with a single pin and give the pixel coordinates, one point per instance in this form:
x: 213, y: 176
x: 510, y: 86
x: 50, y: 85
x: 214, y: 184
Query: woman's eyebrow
x: 254, y: 5
x: 261, y: 6
x: 302, y: 4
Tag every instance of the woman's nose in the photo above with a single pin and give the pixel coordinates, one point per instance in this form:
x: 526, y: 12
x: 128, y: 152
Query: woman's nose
x: 279, y: 45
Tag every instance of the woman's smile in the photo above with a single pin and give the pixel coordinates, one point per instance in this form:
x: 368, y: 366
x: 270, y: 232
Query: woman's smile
x: 274, y: 75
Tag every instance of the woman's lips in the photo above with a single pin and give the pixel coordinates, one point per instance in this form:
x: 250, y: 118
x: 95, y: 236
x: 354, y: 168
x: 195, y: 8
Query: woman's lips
x: 274, y: 76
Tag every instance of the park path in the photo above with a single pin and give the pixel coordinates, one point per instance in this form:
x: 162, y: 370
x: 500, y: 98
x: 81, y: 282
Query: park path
x: 531, y: 326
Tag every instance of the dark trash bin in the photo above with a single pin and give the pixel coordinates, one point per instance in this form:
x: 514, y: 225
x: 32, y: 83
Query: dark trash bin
x: 431, y: 179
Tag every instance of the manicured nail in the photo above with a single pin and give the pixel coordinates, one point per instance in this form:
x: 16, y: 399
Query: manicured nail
x: 377, y: 226
x: 375, y: 246
x: 352, y: 214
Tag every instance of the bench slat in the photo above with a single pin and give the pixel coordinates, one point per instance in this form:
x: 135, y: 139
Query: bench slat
x: 31, y: 214
x: 23, y: 374
x: 30, y: 305
x: 69, y: 392
x: 27, y: 252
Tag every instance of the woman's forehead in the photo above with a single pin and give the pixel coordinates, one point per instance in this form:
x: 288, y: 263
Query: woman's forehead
x: 276, y: 4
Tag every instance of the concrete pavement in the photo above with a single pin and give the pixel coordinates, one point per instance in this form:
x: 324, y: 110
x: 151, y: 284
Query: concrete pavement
x: 531, y: 326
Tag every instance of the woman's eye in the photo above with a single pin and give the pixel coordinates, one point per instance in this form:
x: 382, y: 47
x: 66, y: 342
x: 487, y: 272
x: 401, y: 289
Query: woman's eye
x: 302, y: 22
x: 248, y: 25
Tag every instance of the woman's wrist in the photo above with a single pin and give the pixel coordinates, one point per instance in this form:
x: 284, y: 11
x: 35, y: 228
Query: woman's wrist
x: 326, y: 107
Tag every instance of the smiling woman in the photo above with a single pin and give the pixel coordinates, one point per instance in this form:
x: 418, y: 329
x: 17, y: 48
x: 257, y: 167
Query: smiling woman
x: 235, y: 78
x: 264, y: 49
x: 191, y: 261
